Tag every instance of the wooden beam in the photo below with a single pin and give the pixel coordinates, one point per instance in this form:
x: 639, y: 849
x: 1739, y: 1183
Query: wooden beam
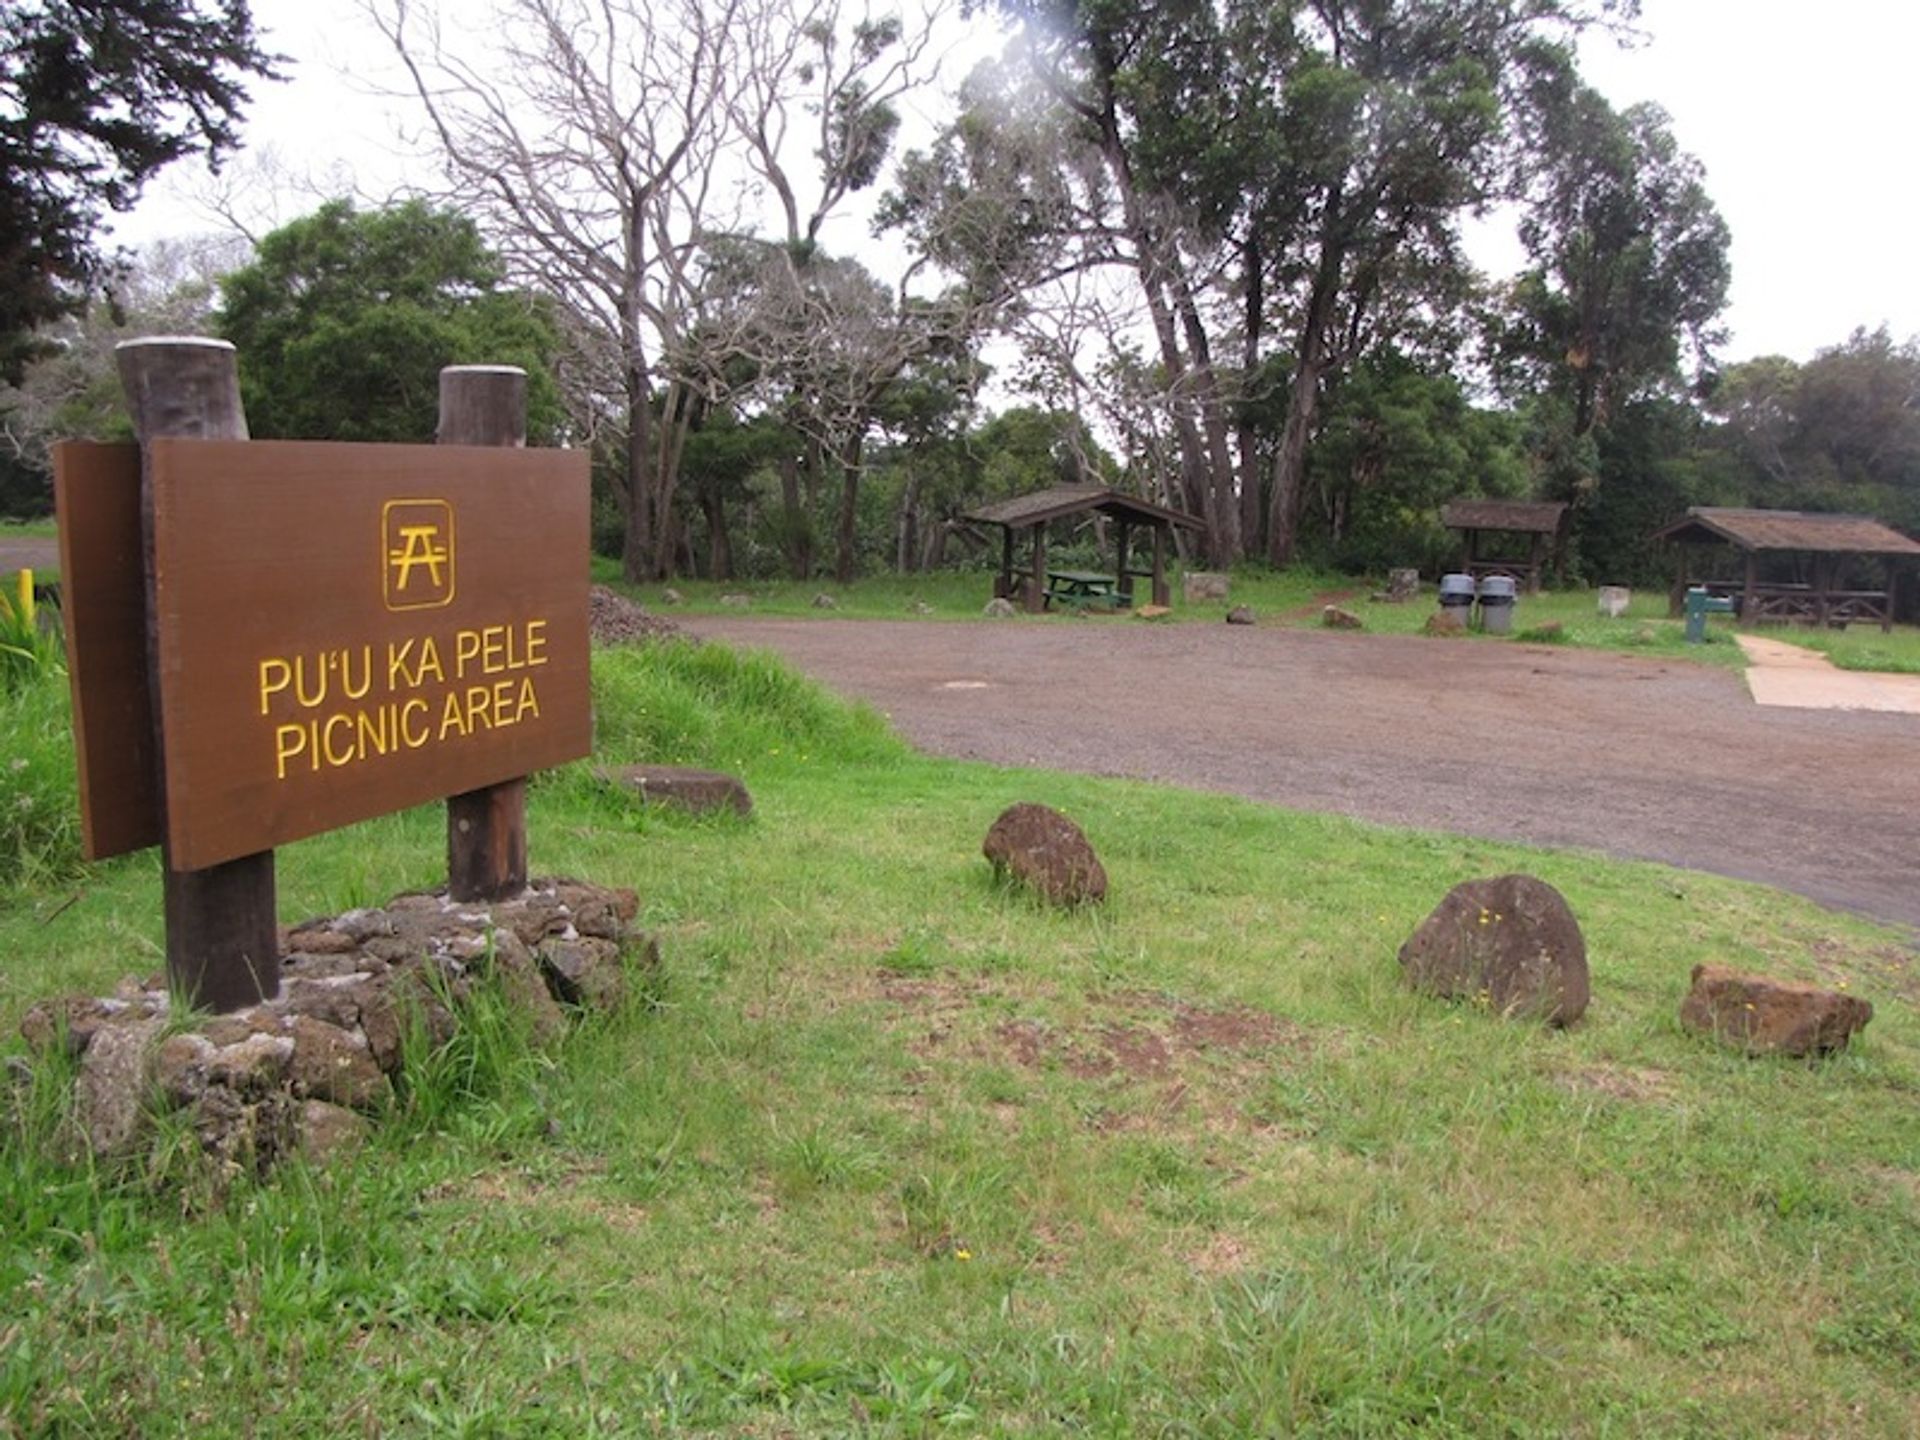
x: 486, y: 828
x: 1037, y: 581
x: 1123, y: 536
x: 1161, y: 594
x: 222, y: 944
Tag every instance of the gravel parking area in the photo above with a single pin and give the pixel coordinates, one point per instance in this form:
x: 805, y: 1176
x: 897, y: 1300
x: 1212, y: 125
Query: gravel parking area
x: 1640, y: 758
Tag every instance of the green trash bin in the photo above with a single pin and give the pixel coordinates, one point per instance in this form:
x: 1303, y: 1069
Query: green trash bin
x: 1700, y: 605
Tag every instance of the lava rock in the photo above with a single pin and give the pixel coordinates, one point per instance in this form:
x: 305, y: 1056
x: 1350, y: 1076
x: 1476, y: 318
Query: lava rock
x: 1509, y: 943
x: 1044, y: 850
x: 1764, y: 1016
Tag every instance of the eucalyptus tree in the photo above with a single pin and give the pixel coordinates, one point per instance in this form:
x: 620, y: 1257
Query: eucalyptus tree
x: 1282, y: 182
x: 1629, y: 265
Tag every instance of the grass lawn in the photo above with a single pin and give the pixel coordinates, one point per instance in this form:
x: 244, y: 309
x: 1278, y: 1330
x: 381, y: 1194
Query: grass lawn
x: 28, y: 530
x: 897, y: 1151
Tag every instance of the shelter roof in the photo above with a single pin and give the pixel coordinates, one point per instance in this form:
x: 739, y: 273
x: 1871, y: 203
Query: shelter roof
x: 1787, y: 530
x: 1045, y: 505
x: 1526, y: 517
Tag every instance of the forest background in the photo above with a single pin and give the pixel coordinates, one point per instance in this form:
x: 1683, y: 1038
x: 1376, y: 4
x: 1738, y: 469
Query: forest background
x: 809, y: 301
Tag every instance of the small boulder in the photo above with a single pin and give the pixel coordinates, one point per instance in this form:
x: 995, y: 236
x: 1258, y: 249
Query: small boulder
x: 584, y: 972
x: 921, y: 607
x: 1764, y: 1016
x: 332, y: 1064
x: 1451, y: 621
x: 1196, y: 585
x: 1509, y: 943
x: 736, y: 601
x: 1334, y: 618
x: 111, y: 1089
x: 824, y: 601
x: 695, y: 791
x: 1240, y: 615
x: 1153, y: 612
x: 254, y: 1066
x: 324, y: 1132
x: 1046, y: 851
x: 671, y: 596
x: 999, y: 608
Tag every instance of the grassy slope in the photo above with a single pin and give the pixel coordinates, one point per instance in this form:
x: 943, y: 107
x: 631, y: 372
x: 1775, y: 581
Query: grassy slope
x: 898, y: 1149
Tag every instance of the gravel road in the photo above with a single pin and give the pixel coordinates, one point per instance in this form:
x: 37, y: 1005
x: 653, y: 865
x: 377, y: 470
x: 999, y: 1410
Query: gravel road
x: 1643, y: 758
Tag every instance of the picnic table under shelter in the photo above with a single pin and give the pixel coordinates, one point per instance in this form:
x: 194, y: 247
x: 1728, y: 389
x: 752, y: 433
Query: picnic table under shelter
x: 1797, y: 566
x: 1494, y: 531
x: 1038, y: 586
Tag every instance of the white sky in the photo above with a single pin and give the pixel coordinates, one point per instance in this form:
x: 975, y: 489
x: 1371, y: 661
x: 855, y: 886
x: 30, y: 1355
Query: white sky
x: 1803, y: 116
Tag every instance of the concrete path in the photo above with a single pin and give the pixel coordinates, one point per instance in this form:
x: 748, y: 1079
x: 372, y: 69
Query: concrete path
x: 1803, y: 679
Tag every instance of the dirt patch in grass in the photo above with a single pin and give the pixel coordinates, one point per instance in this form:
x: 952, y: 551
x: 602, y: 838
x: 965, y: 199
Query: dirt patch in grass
x: 1150, y: 1045
x: 1640, y: 1085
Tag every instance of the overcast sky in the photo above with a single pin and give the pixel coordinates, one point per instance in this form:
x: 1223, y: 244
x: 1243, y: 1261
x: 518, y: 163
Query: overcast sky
x: 1802, y: 114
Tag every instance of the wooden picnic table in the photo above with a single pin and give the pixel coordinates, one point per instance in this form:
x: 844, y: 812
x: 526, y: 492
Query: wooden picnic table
x: 1083, y: 587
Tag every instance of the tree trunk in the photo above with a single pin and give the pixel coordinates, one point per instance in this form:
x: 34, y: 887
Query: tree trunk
x: 637, y: 550
x: 1303, y: 403
x: 796, y: 533
x: 719, y: 542
x: 843, y: 530
x: 1247, y: 436
x: 907, y: 525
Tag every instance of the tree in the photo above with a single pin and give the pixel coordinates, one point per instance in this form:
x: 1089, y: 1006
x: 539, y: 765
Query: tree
x: 95, y: 97
x: 1630, y: 260
x: 345, y: 318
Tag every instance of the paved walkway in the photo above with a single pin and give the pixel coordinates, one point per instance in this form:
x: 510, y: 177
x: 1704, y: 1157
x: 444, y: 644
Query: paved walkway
x: 1803, y: 679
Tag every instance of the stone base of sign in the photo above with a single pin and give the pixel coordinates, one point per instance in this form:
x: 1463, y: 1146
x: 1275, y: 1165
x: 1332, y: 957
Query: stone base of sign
x: 302, y: 1073
x: 696, y: 791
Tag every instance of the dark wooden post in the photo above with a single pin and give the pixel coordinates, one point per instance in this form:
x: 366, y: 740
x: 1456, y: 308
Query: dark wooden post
x: 1006, y: 590
x: 1749, y: 605
x: 223, y: 948
x: 486, y: 828
x: 1162, y: 596
x: 1677, y: 592
x: 1123, y: 581
x: 1037, y: 582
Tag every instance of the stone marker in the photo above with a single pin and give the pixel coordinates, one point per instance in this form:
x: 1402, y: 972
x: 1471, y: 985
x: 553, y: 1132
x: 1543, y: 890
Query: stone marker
x: 1046, y: 851
x: 1204, y: 585
x: 1403, y: 584
x: 1240, y: 615
x: 1509, y: 943
x: 696, y: 791
x: 1764, y: 1016
x: 1334, y: 618
x: 999, y: 608
x: 824, y: 601
x: 1614, y: 600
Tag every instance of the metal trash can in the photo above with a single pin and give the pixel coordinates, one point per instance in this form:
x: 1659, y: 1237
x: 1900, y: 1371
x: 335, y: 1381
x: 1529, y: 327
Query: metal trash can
x: 1456, y: 593
x: 1700, y: 604
x: 1498, y: 594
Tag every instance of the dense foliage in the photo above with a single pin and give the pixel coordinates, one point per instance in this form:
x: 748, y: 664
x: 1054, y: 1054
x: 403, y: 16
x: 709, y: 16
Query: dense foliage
x: 95, y: 97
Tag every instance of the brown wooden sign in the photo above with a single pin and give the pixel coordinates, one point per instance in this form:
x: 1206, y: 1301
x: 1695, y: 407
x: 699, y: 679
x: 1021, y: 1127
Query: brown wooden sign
x: 349, y: 630
x: 103, y: 602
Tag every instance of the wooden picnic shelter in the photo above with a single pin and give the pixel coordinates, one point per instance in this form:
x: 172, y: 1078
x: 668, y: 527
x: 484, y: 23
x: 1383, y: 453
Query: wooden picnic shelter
x: 1797, y: 567
x: 1512, y: 523
x: 1038, y: 586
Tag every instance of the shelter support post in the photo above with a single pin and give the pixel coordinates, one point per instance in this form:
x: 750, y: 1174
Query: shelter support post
x: 1162, y: 596
x: 1037, y: 580
x: 486, y: 828
x: 1005, y: 590
x: 222, y: 945
x: 1749, y: 593
x: 1123, y: 578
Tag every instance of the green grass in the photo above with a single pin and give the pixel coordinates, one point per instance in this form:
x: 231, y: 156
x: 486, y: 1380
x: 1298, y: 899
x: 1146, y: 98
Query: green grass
x: 28, y: 530
x: 896, y: 1151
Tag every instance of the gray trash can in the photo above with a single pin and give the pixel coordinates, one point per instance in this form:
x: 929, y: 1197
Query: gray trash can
x: 1456, y: 594
x: 1498, y: 594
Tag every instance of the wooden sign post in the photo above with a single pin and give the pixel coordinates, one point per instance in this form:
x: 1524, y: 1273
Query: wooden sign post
x: 486, y: 828
x: 271, y: 639
x: 223, y: 949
